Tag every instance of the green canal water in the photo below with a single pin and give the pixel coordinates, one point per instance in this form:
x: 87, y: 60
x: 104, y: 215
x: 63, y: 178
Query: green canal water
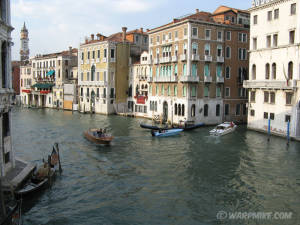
x: 185, y: 179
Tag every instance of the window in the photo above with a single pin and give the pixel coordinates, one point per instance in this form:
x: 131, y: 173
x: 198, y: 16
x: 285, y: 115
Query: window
x: 288, y: 97
x: 176, y: 34
x: 195, y: 32
x: 97, y: 93
x: 269, y: 15
x: 136, y: 39
x: 219, y: 36
x: 98, y: 54
x: 182, y: 110
x: 267, y: 74
x: 193, y: 91
x: 81, y: 76
x: 93, y: 73
x: 206, y: 91
x: 88, y: 76
x: 93, y: 54
x: 266, y: 115
x: 272, y: 97
x: 157, y: 39
x: 268, y: 41
x: 87, y: 92
x: 5, y: 125
x: 253, y: 72
x: 290, y: 70
x: 184, y: 91
x: 252, y: 96
x: 272, y: 116
x: 219, y: 50
x: 105, y: 53
x: 218, y: 91
x: 207, y: 34
x: 206, y: 70
x: 217, y: 110
x: 207, y: 49
x: 293, y: 9
x: 228, y: 36
x: 88, y: 55
x: 226, y: 112
x: 162, y: 90
x: 193, y: 110
x: 238, y: 109
x: 255, y: 19
x: 227, y: 72
x: 287, y: 118
x: 252, y: 112
x: 227, y: 92
x: 112, y: 53
x: 274, y: 71
x: 151, y: 41
x: 205, y: 110
x: 292, y: 37
x: 179, y: 110
x: 175, y: 90
x: 266, y: 97
x: 242, y: 54
x: 228, y: 52
x: 185, y: 31
x: 195, y: 48
x: 276, y: 14
x: 275, y: 40
x: 254, y: 41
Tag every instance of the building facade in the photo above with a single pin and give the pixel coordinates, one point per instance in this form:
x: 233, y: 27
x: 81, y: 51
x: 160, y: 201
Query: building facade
x: 188, y: 67
x: 103, y: 70
x: 7, y: 157
x: 274, y: 67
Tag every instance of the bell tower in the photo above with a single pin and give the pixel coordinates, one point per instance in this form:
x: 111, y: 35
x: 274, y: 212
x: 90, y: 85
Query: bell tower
x: 24, y: 52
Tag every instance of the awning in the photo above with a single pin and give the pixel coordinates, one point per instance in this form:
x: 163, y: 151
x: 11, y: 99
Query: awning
x: 43, y: 85
x: 51, y: 72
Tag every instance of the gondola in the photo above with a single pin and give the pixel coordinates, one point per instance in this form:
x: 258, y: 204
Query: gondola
x: 165, y: 133
x: 93, y: 135
x: 185, y: 127
x: 146, y: 126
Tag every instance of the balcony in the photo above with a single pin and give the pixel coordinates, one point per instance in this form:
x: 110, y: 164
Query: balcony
x: 207, y: 79
x: 192, y: 79
x: 220, y: 79
x: 195, y: 57
x: 269, y: 84
x: 165, y: 60
x: 93, y: 83
x: 165, y: 79
x: 149, y: 79
x: 208, y: 58
x: 112, y: 60
x: 183, y: 57
x: 156, y: 61
x: 220, y: 59
x: 104, y: 60
x: 174, y: 58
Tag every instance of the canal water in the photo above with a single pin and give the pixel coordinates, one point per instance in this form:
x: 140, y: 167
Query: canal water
x: 187, y: 179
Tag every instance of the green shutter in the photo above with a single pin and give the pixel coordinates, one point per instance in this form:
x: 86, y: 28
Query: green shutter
x: 193, y: 91
x: 150, y: 89
x: 184, y: 69
x: 206, y: 70
x: 150, y: 71
x: 157, y: 71
x: 175, y: 90
x: 184, y: 91
x: 162, y: 90
x: 218, y: 92
x: 194, y: 69
x: 176, y: 69
x: 219, y: 71
x: 206, y: 91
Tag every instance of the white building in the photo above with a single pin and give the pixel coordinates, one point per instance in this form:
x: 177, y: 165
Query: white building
x: 7, y: 157
x: 274, y: 67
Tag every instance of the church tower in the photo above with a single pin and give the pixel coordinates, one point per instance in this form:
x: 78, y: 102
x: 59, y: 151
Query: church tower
x: 24, y: 52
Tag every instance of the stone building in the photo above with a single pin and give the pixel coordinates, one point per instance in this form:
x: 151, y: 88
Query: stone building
x: 274, y: 67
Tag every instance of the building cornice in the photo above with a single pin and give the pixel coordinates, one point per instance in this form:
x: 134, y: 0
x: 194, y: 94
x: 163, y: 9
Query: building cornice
x: 267, y: 5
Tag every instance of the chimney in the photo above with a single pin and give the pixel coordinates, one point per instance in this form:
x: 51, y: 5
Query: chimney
x: 197, y: 10
x: 70, y: 50
x: 141, y: 29
x: 86, y: 40
x: 98, y: 36
x: 92, y: 36
x: 175, y: 20
x: 124, y: 29
x: 148, y: 30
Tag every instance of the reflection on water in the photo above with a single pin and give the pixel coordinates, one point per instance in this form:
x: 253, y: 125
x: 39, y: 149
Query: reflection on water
x: 139, y: 179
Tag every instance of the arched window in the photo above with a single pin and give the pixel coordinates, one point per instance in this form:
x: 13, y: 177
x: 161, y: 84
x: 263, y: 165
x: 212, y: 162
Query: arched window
x: 290, y: 71
x: 182, y: 110
x: 274, y: 71
x: 179, y: 110
x: 218, y: 110
x: 137, y: 90
x: 93, y: 73
x: 253, y: 72
x: 205, y: 110
x: 175, y: 109
x: 130, y: 91
x: 146, y: 86
x: 267, y: 71
x: 142, y: 86
x: 193, y: 110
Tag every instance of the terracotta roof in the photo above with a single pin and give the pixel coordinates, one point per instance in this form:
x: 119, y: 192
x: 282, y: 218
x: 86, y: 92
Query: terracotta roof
x: 63, y: 53
x: 223, y: 9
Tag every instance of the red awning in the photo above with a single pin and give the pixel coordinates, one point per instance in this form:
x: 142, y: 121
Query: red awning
x: 26, y: 91
x: 45, y: 92
x: 141, y: 99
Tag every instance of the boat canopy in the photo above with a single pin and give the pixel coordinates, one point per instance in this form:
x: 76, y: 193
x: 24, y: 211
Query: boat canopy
x: 51, y: 72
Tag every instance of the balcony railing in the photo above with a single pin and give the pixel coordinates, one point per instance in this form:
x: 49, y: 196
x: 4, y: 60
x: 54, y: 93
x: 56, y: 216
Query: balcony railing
x: 208, y: 58
x: 174, y: 58
x: 156, y: 61
x: 189, y: 78
x: 165, y: 59
x: 183, y: 57
x: 207, y: 79
x: 149, y: 79
x: 220, y: 79
x: 270, y: 84
x: 220, y: 59
x: 165, y: 79
x: 195, y: 57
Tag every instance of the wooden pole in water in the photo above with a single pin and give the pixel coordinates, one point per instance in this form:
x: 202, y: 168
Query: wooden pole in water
x: 2, y: 205
x: 49, y: 169
x: 59, y: 164
x: 288, y: 133
x: 269, y: 129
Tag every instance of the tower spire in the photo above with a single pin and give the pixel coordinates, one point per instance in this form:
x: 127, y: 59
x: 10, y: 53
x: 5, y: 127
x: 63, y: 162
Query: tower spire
x: 24, y: 51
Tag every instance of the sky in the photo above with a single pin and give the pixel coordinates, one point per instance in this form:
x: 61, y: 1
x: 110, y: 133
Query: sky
x: 57, y: 24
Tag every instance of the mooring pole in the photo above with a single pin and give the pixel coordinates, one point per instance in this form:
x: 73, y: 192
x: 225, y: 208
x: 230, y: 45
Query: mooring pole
x: 59, y: 164
x: 269, y: 129
x: 288, y: 133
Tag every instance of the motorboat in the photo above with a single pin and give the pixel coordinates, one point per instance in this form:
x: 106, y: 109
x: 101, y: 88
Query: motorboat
x: 97, y: 136
x: 223, y: 129
x: 165, y: 133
